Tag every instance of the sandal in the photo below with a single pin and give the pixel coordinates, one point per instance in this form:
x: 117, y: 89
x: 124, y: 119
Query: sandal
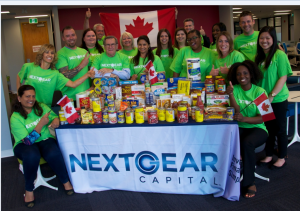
x: 249, y: 191
x: 70, y: 192
x: 29, y: 204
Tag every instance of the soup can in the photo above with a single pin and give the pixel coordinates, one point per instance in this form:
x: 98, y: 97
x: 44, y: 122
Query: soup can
x: 199, y: 115
x: 170, y: 115
x: 230, y: 113
x: 161, y: 114
x: 121, y: 118
x: 139, y: 115
x: 152, y: 116
x: 96, y: 105
x: 182, y: 114
x: 105, y: 116
x: 112, y: 117
x: 97, y: 116
x: 111, y: 106
x: 129, y: 116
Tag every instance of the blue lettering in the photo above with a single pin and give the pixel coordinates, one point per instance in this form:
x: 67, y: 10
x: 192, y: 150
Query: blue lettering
x: 74, y: 159
x: 155, y: 180
x: 90, y: 156
x: 190, y: 179
x: 165, y: 162
x: 212, y: 163
x: 188, y: 157
x: 168, y: 179
x: 110, y: 162
x: 126, y: 159
x: 203, y: 180
x: 141, y: 178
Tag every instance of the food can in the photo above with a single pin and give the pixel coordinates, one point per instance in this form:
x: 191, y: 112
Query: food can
x: 121, y: 118
x: 110, y: 97
x: 198, y: 115
x: 111, y: 106
x: 193, y: 112
x: 182, y: 114
x: 152, y: 116
x: 170, y: 115
x: 97, y: 116
x: 62, y: 117
x: 129, y: 116
x: 112, y: 117
x: 96, y: 104
x: 161, y: 114
x: 105, y: 116
x: 139, y: 115
x: 64, y: 123
x: 230, y: 113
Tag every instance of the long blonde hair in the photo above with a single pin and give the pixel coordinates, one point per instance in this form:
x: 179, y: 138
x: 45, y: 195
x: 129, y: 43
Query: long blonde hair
x: 39, y: 56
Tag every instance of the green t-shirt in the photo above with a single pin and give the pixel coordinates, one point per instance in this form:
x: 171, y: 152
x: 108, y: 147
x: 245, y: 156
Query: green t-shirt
x: 130, y: 53
x: 167, y: 60
x: 179, y: 64
x: 279, y: 66
x: 230, y: 59
x: 45, y: 82
x: 72, y: 58
x: 213, y: 47
x: 158, y: 66
x: 243, y: 98
x: 101, y: 41
x: 20, y: 127
x: 247, y: 45
x: 93, y: 52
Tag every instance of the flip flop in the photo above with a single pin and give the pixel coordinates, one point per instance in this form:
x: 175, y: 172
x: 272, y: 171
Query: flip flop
x: 249, y: 192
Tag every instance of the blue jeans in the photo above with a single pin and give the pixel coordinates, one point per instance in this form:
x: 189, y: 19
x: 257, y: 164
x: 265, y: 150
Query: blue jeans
x: 30, y: 155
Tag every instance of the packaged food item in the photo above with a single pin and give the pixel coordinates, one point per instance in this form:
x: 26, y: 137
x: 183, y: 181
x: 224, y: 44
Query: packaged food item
x: 147, y: 86
x: 129, y: 116
x: 173, y: 82
x: 199, y: 101
x: 96, y: 104
x: 121, y: 117
x: 197, y: 84
x: 152, y: 116
x: 161, y: 76
x: 143, y: 77
x: 193, y: 112
x: 126, y: 87
x: 170, y: 115
x: 139, y: 115
x: 123, y: 106
x: 193, y: 68
x: 149, y: 98
x: 84, y: 101
x: 111, y: 106
x: 172, y: 90
x: 215, y: 114
x: 138, y: 89
x: 217, y: 100
x: 158, y: 103
x: 97, y: 116
x: 230, y: 113
x: 112, y: 117
x: 188, y: 100
x: 87, y: 118
x: 209, y: 85
x: 162, y: 114
x: 221, y: 86
x: 97, y: 82
x: 182, y: 115
x: 164, y: 96
x: 62, y: 117
x: 105, y: 118
x: 184, y: 87
x: 98, y: 90
x: 199, y: 114
x: 78, y: 120
x: 118, y: 93
x: 216, y: 81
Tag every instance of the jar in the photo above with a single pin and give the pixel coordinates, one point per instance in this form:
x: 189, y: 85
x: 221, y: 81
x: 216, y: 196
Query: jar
x: 216, y: 81
x: 209, y: 85
x: 161, y: 114
x: 152, y: 116
x: 221, y: 86
x: 139, y: 115
x: 182, y: 114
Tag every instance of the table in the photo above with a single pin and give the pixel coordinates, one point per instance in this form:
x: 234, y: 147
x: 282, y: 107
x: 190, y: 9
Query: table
x: 294, y: 97
x: 295, y: 74
x: 194, y: 158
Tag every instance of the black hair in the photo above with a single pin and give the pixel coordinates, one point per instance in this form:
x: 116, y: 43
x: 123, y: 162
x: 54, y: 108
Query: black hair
x: 97, y: 45
x: 149, y: 55
x: 66, y: 28
x: 255, y: 73
x: 246, y: 13
x: 159, y: 47
x: 17, y: 106
x: 222, y: 27
x: 260, y: 55
x: 194, y: 31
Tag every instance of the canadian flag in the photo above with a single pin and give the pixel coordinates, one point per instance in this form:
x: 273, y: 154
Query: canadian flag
x: 69, y: 110
x: 152, y: 72
x: 143, y: 23
x: 264, y: 106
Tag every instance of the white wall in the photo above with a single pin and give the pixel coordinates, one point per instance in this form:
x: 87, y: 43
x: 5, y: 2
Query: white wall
x: 226, y: 17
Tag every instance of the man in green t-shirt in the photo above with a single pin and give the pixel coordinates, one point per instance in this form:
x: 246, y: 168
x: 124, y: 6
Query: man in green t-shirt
x: 72, y: 62
x: 246, y: 43
x: 99, y: 28
x: 112, y: 63
x: 189, y: 26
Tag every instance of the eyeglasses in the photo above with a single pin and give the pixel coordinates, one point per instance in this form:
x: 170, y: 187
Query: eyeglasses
x: 111, y: 45
x: 193, y: 38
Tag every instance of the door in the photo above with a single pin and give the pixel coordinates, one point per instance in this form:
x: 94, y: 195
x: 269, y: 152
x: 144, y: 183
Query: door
x: 34, y: 35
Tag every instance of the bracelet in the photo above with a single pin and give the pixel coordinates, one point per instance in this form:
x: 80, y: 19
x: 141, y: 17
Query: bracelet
x: 31, y: 138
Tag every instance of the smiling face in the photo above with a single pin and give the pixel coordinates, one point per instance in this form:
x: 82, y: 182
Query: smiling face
x: 48, y: 56
x: 188, y: 26
x: 247, y: 24
x: 243, y: 76
x: 100, y: 32
x: 143, y: 47
x: 164, y: 38
x: 194, y: 42
x: 126, y: 41
x: 27, y: 99
x: 90, y: 39
x: 265, y: 41
x: 223, y: 44
x: 110, y: 47
x: 180, y: 36
x: 216, y: 31
x: 69, y: 37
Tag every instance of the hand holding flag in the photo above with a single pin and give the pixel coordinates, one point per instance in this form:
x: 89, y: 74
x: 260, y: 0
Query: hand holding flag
x: 69, y: 110
x: 152, y: 73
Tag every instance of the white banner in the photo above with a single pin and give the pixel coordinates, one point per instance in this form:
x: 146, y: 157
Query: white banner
x: 177, y: 160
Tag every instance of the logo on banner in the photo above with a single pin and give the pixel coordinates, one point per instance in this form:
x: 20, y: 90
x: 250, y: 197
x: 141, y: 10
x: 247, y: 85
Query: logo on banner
x: 147, y: 162
x: 139, y: 28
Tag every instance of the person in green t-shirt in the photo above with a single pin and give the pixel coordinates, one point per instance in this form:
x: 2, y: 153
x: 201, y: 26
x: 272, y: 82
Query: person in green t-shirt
x: 226, y: 55
x: 180, y: 38
x: 242, y: 91
x: 216, y: 31
x: 275, y: 67
x: 145, y: 54
x: 165, y: 50
x: 246, y: 43
x: 127, y: 43
x: 29, y: 123
x: 194, y: 50
x: 43, y: 76
x: 111, y: 63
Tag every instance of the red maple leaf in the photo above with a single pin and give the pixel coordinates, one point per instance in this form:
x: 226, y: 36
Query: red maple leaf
x: 68, y: 109
x: 151, y: 72
x: 265, y: 107
x: 139, y: 28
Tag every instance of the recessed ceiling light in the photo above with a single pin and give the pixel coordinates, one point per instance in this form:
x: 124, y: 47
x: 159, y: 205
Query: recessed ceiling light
x: 237, y: 8
x: 5, y: 12
x: 235, y: 17
x: 283, y: 13
x: 282, y: 10
x: 237, y: 12
x: 31, y: 16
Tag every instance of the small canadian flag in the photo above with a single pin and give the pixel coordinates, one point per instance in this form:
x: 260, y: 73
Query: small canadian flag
x: 264, y: 106
x: 69, y: 110
x: 152, y: 73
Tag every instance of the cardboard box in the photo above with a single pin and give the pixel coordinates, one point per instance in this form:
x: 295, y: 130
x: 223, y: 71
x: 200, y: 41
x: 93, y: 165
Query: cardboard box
x: 217, y: 100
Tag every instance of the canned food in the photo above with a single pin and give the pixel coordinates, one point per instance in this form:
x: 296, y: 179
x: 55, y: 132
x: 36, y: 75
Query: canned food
x: 170, y: 115
x: 230, y: 113
x: 112, y: 117
x: 62, y: 117
x: 193, y: 112
x: 96, y: 105
x: 110, y: 97
x: 152, y: 116
x: 111, y: 106
x: 97, y: 116
x: 182, y: 114
x: 161, y: 114
x: 105, y: 116
x: 199, y: 115
x: 139, y: 115
x: 129, y: 116
x: 120, y: 116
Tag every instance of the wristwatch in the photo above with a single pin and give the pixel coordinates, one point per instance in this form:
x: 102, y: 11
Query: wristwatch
x: 273, y: 94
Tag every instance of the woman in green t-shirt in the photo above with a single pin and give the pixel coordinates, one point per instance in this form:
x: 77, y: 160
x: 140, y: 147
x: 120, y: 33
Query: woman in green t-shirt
x: 165, y: 51
x: 127, y: 43
x: 145, y: 54
x: 275, y: 67
x: 216, y: 31
x: 180, y: 38
x: 30, y: 124
x: 242, y: 90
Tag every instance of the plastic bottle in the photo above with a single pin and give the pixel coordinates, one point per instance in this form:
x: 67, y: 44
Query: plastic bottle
x: 199, y: 101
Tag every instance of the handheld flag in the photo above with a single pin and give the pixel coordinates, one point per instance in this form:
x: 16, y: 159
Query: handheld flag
x: 264, y: 106
x: 152, y: 73
x: 69, y: 110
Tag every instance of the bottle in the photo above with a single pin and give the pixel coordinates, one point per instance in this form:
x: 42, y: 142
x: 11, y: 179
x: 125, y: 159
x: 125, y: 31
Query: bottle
x: 209, y: 85
x: 199, y: 101
x: 221, y: 86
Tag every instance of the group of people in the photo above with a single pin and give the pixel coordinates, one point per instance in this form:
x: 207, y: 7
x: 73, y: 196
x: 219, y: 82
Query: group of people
x: 252, y: 64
